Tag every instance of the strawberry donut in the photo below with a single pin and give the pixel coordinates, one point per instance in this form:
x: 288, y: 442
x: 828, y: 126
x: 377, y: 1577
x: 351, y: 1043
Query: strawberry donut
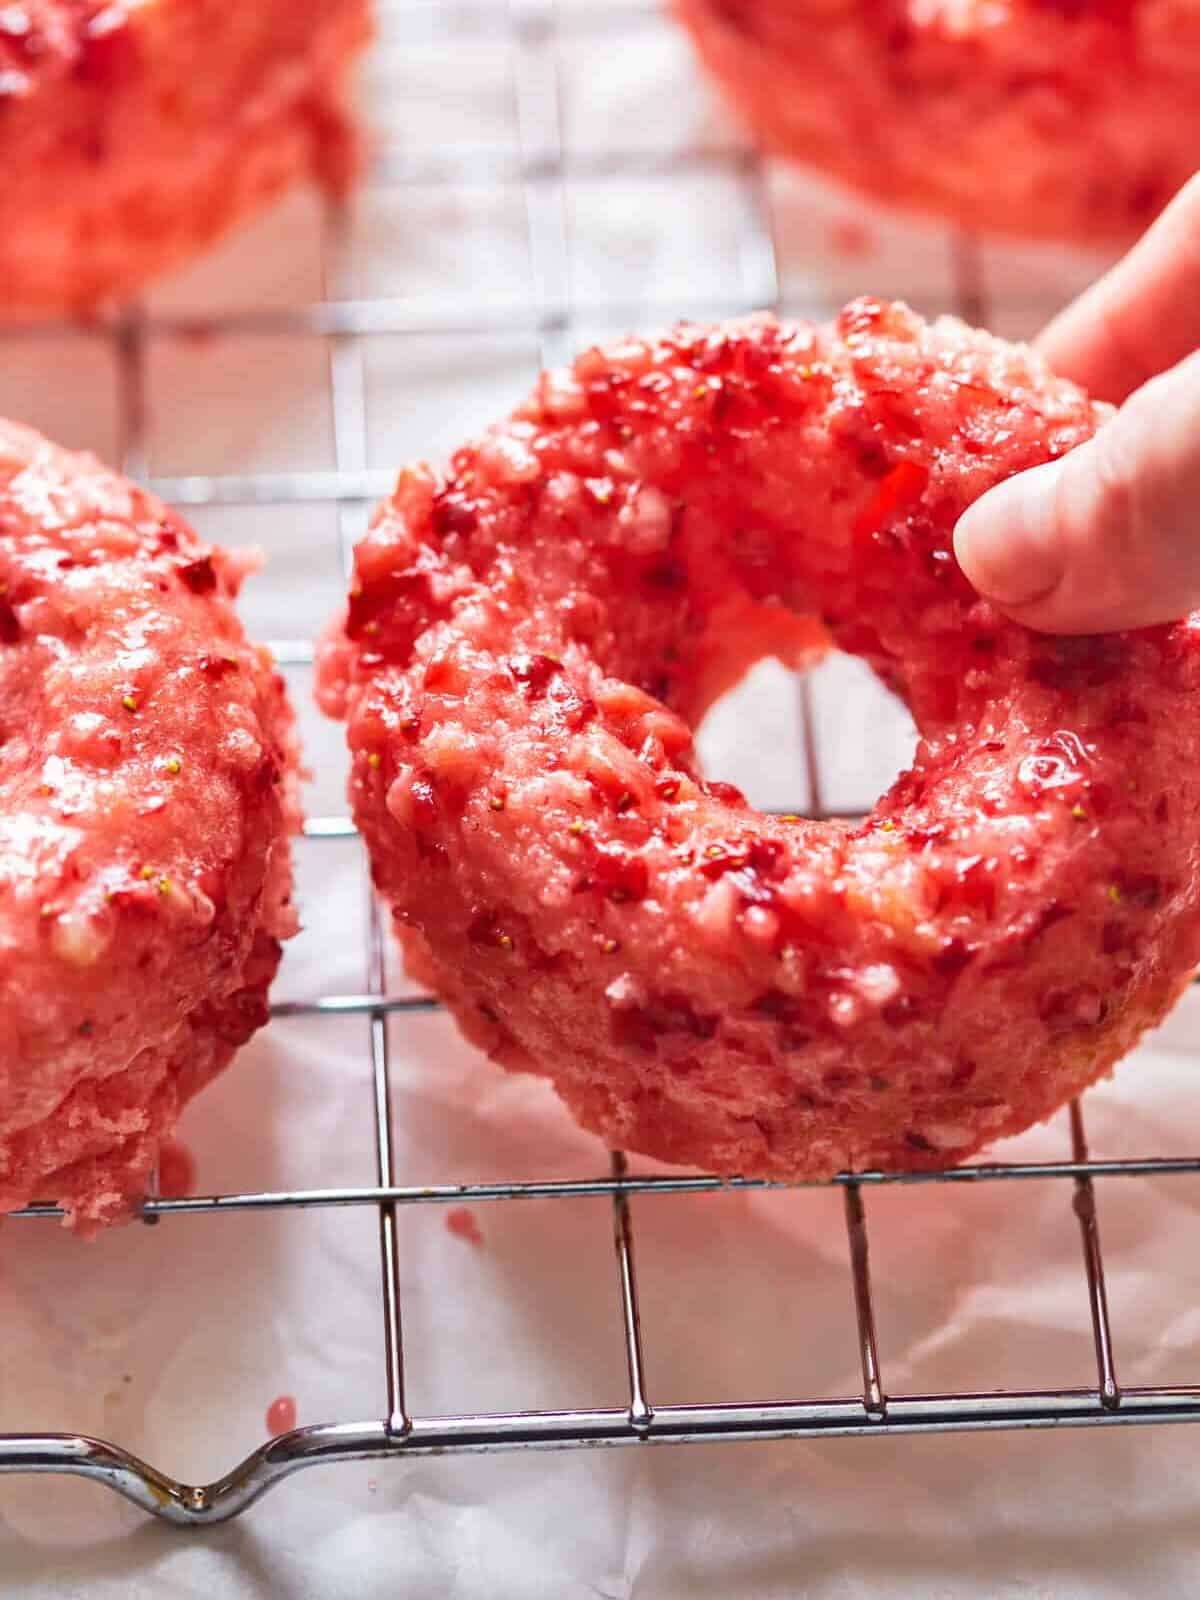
x: 147, y: 791
x: 135, y: 132
x: 532, y: 636
x: 1068, y: 119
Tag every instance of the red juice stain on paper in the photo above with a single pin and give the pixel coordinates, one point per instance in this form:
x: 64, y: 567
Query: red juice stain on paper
x: 176, y: 1170
x: 281, y: 1414
x: 851, y: 239
x: 460, y: 1220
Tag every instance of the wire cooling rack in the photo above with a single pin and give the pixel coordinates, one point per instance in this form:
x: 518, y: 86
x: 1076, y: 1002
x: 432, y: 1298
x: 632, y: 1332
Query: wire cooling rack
x: 531, y: 32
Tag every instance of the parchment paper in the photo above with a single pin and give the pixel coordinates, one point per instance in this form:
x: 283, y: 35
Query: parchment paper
x: 174, y: 1340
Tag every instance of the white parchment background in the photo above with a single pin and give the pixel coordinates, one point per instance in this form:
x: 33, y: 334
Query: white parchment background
x: 173, y: 1341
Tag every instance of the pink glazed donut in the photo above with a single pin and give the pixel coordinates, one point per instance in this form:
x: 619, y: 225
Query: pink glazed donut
x: 136, y: 132
x: 532, y: 636
x: 147, y: 792
x: 1065, y: 119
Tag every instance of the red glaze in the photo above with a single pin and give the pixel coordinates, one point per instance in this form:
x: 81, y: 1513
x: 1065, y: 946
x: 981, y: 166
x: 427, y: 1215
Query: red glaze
x: 702, y: 983
x: 147, y: 789
x: 1073, y: 119
x: 281, y: 1414
x: 135, y: 132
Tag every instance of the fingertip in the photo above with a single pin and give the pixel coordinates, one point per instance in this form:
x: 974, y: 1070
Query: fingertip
x: 1004, y: 542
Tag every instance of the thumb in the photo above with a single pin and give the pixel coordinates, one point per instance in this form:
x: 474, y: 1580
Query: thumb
x: 1108, y: 536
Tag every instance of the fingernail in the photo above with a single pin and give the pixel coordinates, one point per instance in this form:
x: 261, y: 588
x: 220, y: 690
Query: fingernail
x: 1005, y: 541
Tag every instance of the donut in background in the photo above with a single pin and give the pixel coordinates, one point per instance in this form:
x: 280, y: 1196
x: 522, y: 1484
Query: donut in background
x: 1059, y: 119
x: 135, y: 133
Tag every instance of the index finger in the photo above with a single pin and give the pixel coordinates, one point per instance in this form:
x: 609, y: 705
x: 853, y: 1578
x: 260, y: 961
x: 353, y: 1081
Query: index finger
x: 1141, y: 317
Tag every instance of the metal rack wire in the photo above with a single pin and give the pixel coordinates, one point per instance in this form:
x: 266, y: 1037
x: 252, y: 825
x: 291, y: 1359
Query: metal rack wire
x: 530, y: 28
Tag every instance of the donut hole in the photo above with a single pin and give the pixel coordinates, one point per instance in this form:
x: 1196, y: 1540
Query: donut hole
x: 859, y: 737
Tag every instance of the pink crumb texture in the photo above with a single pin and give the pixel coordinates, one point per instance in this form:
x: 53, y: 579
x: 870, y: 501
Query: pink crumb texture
x: 281, y: 1415
x: 533, y: 633
x: 137, y: 132
x: 147, y: 793
x: 461, y: 1222
x: 1071, y: 119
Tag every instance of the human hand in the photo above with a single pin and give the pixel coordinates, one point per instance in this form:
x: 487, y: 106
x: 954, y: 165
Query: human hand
x: 1108, y: 536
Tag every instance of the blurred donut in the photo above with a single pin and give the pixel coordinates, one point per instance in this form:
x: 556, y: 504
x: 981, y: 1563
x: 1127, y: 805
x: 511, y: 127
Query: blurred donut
x: 137, y: 132
x: 1065, y: 119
